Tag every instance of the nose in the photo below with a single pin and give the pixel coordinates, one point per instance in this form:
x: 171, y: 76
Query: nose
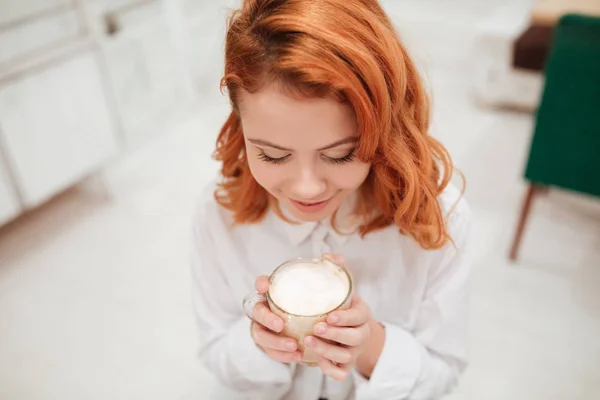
x: 308, y: 184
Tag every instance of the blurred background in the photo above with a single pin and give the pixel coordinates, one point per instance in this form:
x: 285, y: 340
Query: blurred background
x: 109, y: 110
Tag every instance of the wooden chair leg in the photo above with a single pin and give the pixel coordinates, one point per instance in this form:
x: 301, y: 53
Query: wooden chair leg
x: 543, y: 190
x: 532, y: 191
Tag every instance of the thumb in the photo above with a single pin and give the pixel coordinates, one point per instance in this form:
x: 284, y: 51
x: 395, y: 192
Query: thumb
x: 262, y: 284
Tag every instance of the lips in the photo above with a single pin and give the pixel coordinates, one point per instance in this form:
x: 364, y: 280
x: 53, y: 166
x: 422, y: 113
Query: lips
x: 310, y: 207
x: 305, y: 203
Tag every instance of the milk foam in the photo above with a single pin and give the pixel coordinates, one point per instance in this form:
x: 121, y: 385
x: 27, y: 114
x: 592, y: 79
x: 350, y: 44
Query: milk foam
x: 309, y: 288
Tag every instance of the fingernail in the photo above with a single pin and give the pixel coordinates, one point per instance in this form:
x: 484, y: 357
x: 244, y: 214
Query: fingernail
x: 321, y: 329
x: 290, y: 346
x: 333, y: 319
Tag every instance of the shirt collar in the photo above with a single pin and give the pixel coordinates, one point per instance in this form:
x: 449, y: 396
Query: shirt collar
x: 298, y: 233
x: 346, y: 223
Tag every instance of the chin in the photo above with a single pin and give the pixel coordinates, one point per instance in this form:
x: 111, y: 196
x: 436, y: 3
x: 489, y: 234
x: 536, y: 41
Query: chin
x: 316, y: 217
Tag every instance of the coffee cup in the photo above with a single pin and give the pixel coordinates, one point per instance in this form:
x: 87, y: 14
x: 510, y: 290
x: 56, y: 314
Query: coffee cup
x: 302, y: 292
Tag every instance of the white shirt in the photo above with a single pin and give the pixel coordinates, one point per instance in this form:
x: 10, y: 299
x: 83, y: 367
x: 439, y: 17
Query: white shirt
x: 420, y: 296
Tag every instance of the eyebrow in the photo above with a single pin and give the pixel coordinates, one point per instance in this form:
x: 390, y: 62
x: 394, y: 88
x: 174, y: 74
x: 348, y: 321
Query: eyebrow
x: 260, y: 142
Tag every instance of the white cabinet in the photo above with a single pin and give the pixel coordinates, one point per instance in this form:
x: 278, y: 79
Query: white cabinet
x: 56, y: 93
x: 56, y: 127
x: 205, y: 24
x: 9, y: 204
x: 26, y: 37
x: 150, y: 84
x: 12, y: 10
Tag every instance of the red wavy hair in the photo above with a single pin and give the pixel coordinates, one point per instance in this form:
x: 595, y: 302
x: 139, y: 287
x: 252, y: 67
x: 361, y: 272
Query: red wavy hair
x: 347, y: 49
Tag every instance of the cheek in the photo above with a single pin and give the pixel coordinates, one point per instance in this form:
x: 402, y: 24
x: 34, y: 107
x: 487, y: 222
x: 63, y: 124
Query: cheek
x: 265, y: 174
x: 349, y: 177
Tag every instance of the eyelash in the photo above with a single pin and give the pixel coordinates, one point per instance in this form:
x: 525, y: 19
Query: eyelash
x: 342, y: 160
x: 272, y: 160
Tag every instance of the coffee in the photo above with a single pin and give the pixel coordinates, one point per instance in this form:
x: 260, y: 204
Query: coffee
x: 309, y: 288
x: 302, y: 292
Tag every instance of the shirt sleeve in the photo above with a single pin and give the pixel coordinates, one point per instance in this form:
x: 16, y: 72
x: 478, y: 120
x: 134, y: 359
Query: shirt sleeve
x: 425, y: 363
x: 226, y: 345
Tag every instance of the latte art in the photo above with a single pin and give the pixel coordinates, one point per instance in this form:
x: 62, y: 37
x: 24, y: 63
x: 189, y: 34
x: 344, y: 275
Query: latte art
x: 310, y: 288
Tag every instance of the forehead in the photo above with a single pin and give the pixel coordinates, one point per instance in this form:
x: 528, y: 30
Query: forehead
x: 271, y: 114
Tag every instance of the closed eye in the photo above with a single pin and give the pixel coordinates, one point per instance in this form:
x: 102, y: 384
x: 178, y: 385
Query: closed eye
x: 272, y: 160
x: 341, y: 160
x: 332, y: 160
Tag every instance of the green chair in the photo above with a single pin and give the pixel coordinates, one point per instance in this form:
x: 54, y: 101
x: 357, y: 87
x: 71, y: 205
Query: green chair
x: 565, y: 149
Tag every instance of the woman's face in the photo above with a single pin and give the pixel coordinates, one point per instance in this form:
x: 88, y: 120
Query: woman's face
x: 302, y: 150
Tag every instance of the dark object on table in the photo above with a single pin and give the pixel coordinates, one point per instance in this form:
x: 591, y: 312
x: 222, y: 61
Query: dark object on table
x: 565, y: 149
x: 532, y: 47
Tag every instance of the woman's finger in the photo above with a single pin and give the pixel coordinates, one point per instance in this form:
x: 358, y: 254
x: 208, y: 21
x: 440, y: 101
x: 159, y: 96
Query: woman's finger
x: 263, y: 315
x: 347, y: 336
x: 283, y: 357
x: 262, y: 284
x: 333, y: 352
x: 357, y: 314
x: 268, y: 340
x: 338, y: 372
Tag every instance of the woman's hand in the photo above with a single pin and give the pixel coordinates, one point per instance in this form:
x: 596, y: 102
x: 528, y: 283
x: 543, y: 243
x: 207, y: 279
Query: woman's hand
x: 265, y: 324
x: 346, y: 333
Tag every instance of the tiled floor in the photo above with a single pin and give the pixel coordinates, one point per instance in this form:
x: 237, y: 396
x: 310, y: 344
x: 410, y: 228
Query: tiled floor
x: 94, y: 287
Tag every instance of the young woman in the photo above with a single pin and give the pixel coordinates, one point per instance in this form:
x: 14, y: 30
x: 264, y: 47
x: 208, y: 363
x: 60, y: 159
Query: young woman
x: 327, y: 150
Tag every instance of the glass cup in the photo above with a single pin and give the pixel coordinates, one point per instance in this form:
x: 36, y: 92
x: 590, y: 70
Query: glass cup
x: 298, y: 326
